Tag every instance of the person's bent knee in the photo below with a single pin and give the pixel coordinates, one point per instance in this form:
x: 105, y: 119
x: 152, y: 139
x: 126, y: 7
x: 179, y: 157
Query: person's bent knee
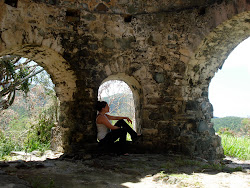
x: 121, y: 121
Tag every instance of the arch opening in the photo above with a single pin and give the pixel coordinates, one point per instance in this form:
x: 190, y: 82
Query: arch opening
x: 202, y: 66
x: 136, y: 95
x: 215, y: 48
x: 229, y: 94
x: 30, y: 120
x: 54, y: 64
x: 61, y: 75
x: 229, y: 89
x: 119, y: 97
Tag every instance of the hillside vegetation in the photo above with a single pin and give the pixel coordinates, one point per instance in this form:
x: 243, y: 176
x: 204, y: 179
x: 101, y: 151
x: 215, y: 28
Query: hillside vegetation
x: 26, y: 125
x: 236, y: 125
x: 235, y: 136
x: 121, y: 104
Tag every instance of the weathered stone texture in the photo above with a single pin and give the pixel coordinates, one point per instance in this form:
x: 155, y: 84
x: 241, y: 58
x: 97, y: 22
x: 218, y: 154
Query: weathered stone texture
x: 166, y: 51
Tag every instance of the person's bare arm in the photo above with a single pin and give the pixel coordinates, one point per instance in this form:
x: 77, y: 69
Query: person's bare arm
x: 103, y: 120
x: 118, y: 118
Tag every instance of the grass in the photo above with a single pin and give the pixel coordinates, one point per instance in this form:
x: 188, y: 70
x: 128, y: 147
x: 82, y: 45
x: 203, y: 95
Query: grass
x: 23, y: 136
x: 238, y: 147
x: 7, y: 145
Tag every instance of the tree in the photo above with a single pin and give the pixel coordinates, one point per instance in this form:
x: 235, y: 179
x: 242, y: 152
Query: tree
x: 15, y: 74
x: 246, y: 126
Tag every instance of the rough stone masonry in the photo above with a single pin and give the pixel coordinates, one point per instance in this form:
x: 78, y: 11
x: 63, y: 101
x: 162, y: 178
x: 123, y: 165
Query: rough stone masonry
x: 167, y: 51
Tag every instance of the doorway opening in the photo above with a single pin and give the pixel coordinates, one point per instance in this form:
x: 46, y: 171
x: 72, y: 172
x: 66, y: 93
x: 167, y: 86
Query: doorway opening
x: 29, y: 108
x: 119, y: 96
x: 229, y: 93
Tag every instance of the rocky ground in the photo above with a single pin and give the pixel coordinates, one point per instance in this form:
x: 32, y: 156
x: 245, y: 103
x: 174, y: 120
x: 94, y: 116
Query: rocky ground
x: 134, y: 170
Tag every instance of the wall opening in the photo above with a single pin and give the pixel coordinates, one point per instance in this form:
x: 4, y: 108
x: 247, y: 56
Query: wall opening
x: 137, y: 92
x: 119, y: 96
x: 229, y: 89
x: 229, y: 93
x: 27, y: 123
x: 62, y: 76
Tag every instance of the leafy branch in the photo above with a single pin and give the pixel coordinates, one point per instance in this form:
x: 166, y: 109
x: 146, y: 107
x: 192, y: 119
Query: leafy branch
x: 15, y: 74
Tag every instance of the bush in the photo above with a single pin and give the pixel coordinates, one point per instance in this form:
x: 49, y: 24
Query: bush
x: 238, y: 147
x: 39, y: 135
x: 7, y: 144
x: 25, y: 136
x: 226, y: 131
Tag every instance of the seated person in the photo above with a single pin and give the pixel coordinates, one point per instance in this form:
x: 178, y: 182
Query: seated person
x: 107, y: 133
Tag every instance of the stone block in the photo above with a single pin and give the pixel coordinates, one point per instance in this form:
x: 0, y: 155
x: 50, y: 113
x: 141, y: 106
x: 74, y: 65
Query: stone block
x: 151, y: 132
x: 167, y: 115
x: 192, y: 105
x: 211, y: 131
x: 125, y: 43
x: 101, y: 8
x: 89, y: 17
x: 108, y: 70
x: 184, y: 59
x: 109, y: 43
x: 203, y: 126
x: 188, y: 139
x: 169, y: 129
x: 155, y: 116
x: 159, y: 77
x: 132, y: 9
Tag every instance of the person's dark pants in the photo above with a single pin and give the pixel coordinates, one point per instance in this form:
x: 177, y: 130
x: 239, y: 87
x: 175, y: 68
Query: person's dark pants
x: 121, y: 133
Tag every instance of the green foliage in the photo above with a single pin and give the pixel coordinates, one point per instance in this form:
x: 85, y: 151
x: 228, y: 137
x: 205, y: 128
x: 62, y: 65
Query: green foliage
x: 44, y: 80
x: 39, y: 134
x: 234, y: 132
x: 232, y: 125
x: 120, y: 104
x: 235, y: 136
x: 8, y: 144
x: 26, y: 125
x: 238, y: 147
x: 22, y: 73
x: 226, y: 131
x: 15, y: 75
x: 245, y: 128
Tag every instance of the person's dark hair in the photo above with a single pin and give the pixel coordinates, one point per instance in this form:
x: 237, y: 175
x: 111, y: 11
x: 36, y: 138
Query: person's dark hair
x: 100, y: 105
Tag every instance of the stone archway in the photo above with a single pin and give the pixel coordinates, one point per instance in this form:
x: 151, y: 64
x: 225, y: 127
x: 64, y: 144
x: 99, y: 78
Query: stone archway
x: 60, y: 73
x: 208, y: 58
x: 137, y: 95
x: 53, y: 63
x: 216, y: 47
x: 154, y: 43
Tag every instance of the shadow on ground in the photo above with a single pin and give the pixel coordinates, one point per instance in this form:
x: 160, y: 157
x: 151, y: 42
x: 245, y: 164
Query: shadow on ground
x: 134, y: 170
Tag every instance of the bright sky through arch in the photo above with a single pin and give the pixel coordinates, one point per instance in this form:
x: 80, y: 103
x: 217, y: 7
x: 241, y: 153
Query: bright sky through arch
x: 113, y: 87
x: 229, y: 90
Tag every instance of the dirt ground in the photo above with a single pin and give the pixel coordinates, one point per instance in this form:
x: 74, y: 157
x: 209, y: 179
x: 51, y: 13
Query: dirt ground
x: 134, y: 170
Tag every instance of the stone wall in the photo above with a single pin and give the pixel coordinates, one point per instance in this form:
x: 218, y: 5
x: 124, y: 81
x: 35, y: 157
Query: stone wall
x: 162, y: 49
